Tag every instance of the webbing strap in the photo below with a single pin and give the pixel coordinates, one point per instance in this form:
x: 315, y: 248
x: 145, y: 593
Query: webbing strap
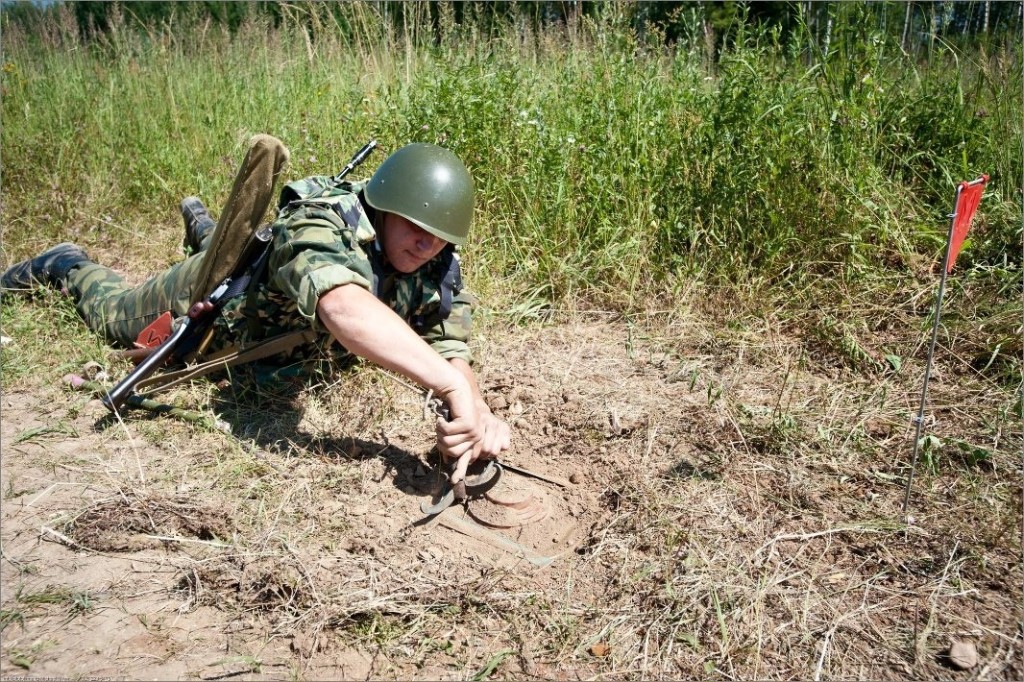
x: 451, y: 283
x: 237, y: 287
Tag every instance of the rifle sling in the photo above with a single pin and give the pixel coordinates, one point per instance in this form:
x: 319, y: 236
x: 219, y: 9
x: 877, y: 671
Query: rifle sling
x: 228, y: 357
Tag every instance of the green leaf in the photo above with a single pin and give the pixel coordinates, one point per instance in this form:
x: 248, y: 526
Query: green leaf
x: 493, y: 664
x: 59, y: 428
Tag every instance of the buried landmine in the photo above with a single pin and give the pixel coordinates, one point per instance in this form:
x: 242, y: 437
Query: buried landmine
x: 509, y: 511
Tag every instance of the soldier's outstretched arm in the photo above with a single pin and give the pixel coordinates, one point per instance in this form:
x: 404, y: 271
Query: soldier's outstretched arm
x: 368, y: 328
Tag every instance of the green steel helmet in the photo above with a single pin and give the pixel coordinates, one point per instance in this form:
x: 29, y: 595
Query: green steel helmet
x: 427, y: 185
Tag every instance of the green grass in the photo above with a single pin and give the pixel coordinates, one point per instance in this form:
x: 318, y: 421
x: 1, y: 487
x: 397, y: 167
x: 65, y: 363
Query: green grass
x: 75, y: 601
x: 608, y: 165
x: 46, y: 338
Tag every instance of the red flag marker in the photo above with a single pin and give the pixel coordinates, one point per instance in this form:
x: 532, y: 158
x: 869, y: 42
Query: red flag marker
x: 968, y: 196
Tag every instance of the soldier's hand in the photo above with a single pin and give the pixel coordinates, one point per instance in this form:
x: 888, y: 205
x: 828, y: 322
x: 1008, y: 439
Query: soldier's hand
x: 496, y: 439
x: 497, y: 435
x: 461, y: 437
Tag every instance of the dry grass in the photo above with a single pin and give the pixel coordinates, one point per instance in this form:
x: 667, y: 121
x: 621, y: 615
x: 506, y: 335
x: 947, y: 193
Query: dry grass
x: 746, y: 512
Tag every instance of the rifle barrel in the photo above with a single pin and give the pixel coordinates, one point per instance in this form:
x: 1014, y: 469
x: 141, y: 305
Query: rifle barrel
x: 355, y: 161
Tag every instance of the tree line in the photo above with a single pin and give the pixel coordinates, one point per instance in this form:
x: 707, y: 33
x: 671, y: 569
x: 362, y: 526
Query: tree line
x: 916, y: 24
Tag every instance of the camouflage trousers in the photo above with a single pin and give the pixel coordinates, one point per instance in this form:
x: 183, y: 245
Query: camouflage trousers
x: 119, y: 312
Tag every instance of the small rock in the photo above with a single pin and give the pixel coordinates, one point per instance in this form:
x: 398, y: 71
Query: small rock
x: 498, y: 403
x: 963, y: 655
x: 574, y: 477
x: 4, y: 340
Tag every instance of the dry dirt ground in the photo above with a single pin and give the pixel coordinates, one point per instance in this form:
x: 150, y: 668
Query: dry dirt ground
x: 727, y: 505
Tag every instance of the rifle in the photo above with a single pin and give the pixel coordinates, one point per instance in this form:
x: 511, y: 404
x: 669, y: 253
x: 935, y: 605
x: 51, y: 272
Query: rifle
x: 356, y: 160
x: 196, y: 323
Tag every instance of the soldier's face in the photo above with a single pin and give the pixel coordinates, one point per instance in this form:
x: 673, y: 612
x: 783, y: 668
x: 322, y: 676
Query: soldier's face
x: 407, y: 246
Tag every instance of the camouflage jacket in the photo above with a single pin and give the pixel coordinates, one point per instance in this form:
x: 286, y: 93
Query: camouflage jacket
x: 324, y: 238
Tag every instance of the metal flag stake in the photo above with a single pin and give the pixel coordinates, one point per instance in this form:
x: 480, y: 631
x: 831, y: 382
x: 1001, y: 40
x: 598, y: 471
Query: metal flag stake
x: 968, y: 196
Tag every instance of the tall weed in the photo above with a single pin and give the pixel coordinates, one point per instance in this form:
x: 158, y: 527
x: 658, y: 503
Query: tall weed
x: 610, y: 164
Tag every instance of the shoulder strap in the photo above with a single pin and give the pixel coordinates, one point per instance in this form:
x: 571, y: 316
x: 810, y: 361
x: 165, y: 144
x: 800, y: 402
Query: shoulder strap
x: 451, y: 281
x: 228, y: 357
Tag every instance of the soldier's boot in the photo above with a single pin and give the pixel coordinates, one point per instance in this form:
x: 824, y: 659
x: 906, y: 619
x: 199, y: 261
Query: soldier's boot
x: 198, y: 223
x: 50, y: 268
